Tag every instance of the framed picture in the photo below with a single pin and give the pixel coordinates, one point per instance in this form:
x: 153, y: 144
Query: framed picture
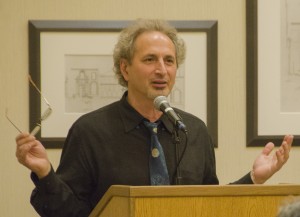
x: 273, y: 71
x: 71, y: 63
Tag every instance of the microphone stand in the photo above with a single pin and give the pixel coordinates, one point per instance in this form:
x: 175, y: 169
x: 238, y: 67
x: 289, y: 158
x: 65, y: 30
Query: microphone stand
x: 178, y: 178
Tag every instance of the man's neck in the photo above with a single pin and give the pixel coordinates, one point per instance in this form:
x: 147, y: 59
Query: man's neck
x: 145, y: 107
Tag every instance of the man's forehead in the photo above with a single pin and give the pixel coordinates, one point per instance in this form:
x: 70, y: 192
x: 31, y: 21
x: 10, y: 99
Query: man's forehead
x: 152, y: 35
x: 150, y: 40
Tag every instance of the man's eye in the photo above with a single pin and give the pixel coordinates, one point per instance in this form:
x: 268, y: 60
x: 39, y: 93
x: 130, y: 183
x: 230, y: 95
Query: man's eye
x: 149, y: 59
x: 170, y: 61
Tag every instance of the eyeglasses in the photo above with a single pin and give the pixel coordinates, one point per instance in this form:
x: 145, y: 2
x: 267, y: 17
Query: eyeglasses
x: 43, y: 117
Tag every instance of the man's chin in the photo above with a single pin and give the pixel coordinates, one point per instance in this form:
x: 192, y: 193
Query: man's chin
x: 157, y: 93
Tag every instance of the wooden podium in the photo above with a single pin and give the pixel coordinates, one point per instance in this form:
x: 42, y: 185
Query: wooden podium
x: 194, y: 201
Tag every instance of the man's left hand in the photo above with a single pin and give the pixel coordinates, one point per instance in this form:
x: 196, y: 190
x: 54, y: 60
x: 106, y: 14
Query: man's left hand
x: 266, y: 164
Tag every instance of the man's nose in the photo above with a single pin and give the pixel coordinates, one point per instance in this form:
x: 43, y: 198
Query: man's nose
x: 161, y: 66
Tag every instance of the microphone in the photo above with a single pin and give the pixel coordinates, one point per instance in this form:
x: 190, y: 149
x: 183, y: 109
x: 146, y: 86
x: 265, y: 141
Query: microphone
x: 162, y: 104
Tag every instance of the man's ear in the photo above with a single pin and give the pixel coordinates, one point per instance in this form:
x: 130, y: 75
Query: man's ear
x: 123, y: 68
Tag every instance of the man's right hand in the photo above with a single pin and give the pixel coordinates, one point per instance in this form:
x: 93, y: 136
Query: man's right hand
x: 32, y: 154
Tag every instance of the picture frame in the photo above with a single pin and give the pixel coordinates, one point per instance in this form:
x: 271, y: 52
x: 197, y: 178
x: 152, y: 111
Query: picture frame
x: 267, y: 121
x: 48, y: 70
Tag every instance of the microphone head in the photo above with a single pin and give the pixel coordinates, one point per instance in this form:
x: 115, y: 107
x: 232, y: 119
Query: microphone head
x: 158, y: 101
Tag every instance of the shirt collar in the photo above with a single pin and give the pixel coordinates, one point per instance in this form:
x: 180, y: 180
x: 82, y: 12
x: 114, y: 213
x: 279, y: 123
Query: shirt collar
x: 132, y: 119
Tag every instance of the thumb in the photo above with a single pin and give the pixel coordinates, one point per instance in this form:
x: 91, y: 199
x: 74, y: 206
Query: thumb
x: 268, y: 148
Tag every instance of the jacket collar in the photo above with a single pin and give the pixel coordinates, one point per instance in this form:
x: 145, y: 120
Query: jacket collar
x: 132, y: 119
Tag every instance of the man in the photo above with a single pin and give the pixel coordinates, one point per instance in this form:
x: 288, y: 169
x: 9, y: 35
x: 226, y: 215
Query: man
x: 111, y: 145
x: 290, y: 207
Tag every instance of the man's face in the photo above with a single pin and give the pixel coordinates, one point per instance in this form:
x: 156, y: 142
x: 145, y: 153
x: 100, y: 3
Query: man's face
x: 153, y: 68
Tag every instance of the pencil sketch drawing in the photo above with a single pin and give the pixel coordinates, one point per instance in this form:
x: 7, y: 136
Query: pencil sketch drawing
x: 290, y: 56
x: 89, y: 83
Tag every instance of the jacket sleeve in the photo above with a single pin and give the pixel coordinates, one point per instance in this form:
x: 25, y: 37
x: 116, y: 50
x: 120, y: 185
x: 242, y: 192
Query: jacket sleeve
x: 246, y: 179
x: 52, y: 197
x: 67, y: 191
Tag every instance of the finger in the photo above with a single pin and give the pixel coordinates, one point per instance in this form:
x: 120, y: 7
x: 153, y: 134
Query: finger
x: 21, y: 135
x: 285, y: 149
x: 289, y: 139
x: 287, y: 144
x: 268, y: 148
x: 25, y: 139
x: 280, y: 158
x: 23, y: 150
x: 282, y: 153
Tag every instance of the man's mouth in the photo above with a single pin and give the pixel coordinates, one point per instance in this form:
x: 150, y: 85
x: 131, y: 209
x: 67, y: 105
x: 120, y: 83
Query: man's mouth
x: 159, y: 83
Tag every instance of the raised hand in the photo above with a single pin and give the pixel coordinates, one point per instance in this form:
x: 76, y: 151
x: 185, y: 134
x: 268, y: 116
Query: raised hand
x: 266, y: 164
x: 32, y: 154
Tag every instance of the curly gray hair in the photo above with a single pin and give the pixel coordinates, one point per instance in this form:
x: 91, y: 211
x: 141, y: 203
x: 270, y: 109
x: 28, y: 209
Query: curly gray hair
x: 124, y: 49
x: 290, y: 207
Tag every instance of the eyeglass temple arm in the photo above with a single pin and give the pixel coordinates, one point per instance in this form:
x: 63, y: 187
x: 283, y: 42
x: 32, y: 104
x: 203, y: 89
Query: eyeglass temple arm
x: 6, y: 114
x: 33, y: 84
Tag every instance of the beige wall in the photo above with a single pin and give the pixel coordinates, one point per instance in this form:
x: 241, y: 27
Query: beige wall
x: 233, y: 158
